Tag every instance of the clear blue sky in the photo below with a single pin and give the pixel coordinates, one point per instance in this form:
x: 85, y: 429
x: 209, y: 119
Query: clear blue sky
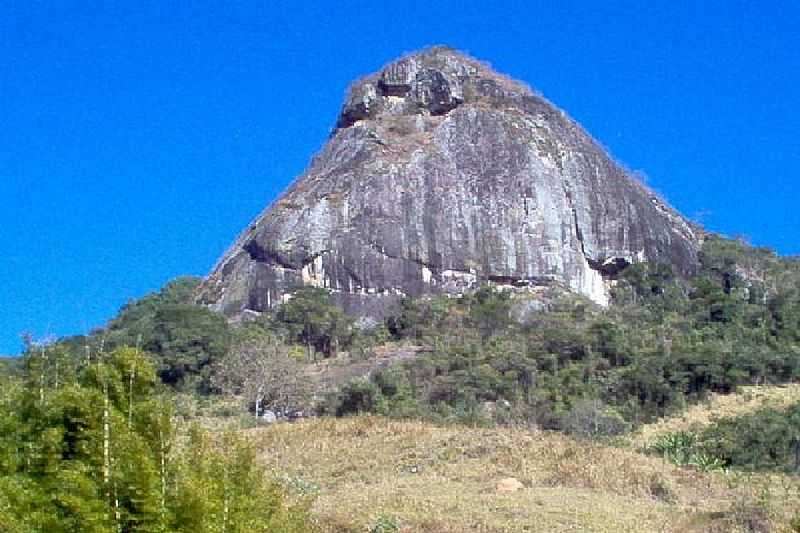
x: 137, y: 139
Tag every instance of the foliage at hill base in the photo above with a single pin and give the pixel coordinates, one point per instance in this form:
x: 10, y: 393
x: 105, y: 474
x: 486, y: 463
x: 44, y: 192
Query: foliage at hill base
x: 184, y: 339
x: 745, y: 401
x: 90, y: 446
x: 88, y: 441
x: 563, y: 363
x: 766, y: 439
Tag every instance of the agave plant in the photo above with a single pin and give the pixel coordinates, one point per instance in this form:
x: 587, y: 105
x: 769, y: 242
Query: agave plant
x: 683, y: 448
x: 678, y: 447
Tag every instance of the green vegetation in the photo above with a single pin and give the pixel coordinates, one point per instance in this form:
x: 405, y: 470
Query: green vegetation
x: 682, y: 448
x: 310, y: 318
x: 88, y: 440
x: 89, y: 445
x: 185, y: 340
x: 552, y: 360
x: 767, y: 439
x: 385, y: 524
x: 665, y: 343
x: 8, y: 366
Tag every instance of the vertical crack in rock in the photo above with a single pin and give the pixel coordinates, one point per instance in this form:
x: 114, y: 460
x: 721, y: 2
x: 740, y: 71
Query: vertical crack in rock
x: 576, y: 225
x: 591, y: 281
x: 579, y: 235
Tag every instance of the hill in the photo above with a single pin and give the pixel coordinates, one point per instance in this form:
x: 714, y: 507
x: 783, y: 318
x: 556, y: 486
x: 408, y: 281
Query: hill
x: 440, y: 175
x: 491, y: 325
x: 370, y: 470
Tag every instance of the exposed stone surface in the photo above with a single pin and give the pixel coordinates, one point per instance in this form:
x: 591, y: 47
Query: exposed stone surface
x: 509, y: 484
x: 441, y: 174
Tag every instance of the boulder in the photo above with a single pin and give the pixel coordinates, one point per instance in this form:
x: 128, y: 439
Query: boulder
x: 509, y: 484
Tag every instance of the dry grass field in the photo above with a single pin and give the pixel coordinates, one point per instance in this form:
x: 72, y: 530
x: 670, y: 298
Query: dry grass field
x: 364, y: 470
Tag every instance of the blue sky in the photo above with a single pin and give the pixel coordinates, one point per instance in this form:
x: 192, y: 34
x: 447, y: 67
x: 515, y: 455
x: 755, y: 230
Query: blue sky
x: 137, y: 139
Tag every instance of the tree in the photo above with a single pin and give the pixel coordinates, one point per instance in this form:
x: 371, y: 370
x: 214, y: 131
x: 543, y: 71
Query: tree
x: 489, y: 311
x: 84, y: 461
x: 359, y: 396
x: 186, y: 340
x: 590, y: 418
x: 262, y: 371
x: 419, y: 318
x: 94, y: 455
x: 223, y: 489
x: 311, y: 318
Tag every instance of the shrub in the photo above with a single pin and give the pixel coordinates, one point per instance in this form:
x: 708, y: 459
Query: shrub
x: 221, y: 487
x: 683, y: 449
x: 359, y: 396
x: 764, y: 440
x: 385, y: 524
x: 593, y: 419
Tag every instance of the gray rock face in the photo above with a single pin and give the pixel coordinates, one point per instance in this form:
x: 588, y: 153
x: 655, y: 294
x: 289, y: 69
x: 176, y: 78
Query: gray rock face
x: 442, y: 174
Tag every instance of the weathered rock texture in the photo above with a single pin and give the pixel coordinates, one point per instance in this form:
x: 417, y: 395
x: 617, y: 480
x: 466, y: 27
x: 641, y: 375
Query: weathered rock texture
x: 442, y: 174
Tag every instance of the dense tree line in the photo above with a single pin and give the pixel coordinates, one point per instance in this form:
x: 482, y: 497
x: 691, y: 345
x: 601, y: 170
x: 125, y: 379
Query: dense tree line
x: 567, y: 364
x: 186, y: 341
x: 183, y: 339
x: 555, y: 359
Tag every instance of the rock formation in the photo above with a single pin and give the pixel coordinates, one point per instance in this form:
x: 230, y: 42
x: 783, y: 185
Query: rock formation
x: 442, y: 174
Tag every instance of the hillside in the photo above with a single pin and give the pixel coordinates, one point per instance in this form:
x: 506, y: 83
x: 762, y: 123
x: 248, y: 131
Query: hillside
x: 479, y: 322
x: 746, y: 401
x: 445, y: 479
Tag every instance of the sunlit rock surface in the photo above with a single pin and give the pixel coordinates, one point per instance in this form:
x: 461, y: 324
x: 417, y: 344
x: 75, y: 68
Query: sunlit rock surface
x: 442, y: 174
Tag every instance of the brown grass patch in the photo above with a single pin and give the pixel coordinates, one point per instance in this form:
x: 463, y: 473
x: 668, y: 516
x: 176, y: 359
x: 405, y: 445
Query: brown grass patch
x: 442, y: 479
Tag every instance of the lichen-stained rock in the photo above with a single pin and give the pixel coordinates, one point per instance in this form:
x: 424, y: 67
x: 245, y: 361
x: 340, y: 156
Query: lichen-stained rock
x: 442, y: 174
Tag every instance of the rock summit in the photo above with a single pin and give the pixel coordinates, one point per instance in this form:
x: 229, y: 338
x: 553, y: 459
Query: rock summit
x: 440, y: 175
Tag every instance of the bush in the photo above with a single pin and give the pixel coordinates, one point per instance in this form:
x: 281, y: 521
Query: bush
x: 221, y: 487
x: 592, y: 419
x: 385, y: 524
x: 359, y: 396
x: 767, y: 439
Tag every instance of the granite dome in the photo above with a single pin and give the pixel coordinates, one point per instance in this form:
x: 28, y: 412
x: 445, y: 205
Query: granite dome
x: 442, y: 174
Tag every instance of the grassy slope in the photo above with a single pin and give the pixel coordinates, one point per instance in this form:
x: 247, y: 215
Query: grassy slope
x: 745, y: 401
x: 436, y: 479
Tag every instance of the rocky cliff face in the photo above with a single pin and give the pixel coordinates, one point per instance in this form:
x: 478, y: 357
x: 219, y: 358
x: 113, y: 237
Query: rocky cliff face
x: 442, y: 174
